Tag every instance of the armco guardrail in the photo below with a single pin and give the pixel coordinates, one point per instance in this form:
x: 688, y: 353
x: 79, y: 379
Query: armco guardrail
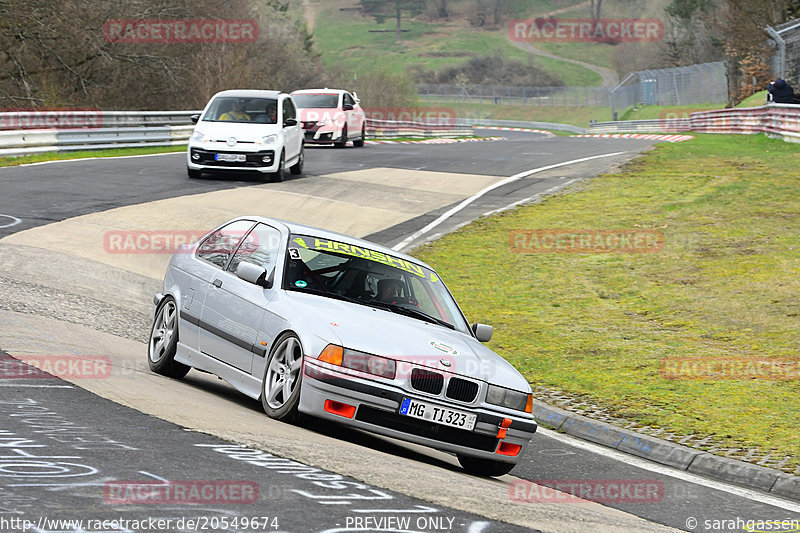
x: 387, y: 129
x: 776, y: 120
x: 33, y: 132
x: 477, y: 122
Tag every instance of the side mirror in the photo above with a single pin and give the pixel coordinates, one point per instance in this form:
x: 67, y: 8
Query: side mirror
x: 194, y: 118
x: 290, y: 122
x: 482, y: 332
x: 254, y: 274
x: 347, y: 107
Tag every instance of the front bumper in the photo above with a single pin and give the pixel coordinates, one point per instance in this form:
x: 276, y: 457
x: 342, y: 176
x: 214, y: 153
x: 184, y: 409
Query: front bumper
x: 377, y: 406
x: 207, y: 160
x: 321, y: 134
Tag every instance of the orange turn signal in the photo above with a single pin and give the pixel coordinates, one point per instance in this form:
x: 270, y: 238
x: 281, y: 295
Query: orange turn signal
x: 529, y: 404
x: 332, y: 354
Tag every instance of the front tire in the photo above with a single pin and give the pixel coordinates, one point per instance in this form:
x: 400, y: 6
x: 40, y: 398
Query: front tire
x: 279, y: 174
x: 342, y: 140
x: 280, y: 388
x: 194, y: 174
x: 484, y: 467
x: 358, y: 143
x: 297, y: 168
x: 164, y: 341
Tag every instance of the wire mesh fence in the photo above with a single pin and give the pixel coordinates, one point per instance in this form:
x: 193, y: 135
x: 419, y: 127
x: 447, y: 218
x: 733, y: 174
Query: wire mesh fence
x: 786, y: 60
x: 695, y: 84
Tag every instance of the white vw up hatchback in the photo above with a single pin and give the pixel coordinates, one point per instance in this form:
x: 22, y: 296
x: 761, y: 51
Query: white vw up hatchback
x: 247, y: 130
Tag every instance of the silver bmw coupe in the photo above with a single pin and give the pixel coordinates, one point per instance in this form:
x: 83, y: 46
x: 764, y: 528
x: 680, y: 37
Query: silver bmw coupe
x: 315, y: 322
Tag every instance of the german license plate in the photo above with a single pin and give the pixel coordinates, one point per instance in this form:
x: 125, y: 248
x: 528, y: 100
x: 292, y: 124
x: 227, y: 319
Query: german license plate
x: 231, y: 158
x: 438, y: 414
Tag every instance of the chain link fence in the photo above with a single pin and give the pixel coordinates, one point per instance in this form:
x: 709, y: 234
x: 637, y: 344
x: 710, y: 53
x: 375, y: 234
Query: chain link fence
x: 696, y: 84
x: 786, y: 60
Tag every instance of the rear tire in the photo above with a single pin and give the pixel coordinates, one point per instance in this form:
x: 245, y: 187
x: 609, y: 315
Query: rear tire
x: 358, y: 143
x: 194, y: 174
x: 343, y: 140
x: 279, y: 174
x: 280, y: 388
x: 297, y: 168
x: 484, y: 467
x: 164, y: 341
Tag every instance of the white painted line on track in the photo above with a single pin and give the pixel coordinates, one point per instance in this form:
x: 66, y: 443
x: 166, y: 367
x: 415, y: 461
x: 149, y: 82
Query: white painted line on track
x: 530, y: 199
x: 14, y: 221
x: 524, y: 174
x: 632, y: 460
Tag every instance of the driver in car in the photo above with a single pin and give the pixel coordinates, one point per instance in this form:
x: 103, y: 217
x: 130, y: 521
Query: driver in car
x: 390, y: 290
x: 236, y: 112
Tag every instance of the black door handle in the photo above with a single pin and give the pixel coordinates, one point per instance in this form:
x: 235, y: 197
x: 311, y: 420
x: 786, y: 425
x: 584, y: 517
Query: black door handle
x: 218, y: 283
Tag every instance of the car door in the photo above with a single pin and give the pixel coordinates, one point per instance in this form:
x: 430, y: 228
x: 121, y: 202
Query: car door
x: 234, y: 308
x: 293, y: 135
x: 353, y: 115
x: 211, y: 256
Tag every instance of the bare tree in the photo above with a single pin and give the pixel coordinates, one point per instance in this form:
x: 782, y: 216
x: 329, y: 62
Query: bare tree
x: 55, y: 54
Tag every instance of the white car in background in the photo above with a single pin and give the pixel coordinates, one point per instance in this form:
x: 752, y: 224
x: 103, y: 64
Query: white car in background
x: 331, y: 116
x: 247, y: 130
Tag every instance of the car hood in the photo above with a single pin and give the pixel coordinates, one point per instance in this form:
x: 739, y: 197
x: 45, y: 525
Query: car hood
x: 381, y: 332
x: 315, y: 114
x: 221, y: 131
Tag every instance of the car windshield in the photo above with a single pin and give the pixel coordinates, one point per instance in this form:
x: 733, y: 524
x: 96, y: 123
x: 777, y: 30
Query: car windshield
x: 243, y: 110
x: 347, y: 272
x: 316, y: 100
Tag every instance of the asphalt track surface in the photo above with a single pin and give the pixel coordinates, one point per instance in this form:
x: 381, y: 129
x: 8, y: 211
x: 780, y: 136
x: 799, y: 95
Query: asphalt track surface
x: 40, y: 194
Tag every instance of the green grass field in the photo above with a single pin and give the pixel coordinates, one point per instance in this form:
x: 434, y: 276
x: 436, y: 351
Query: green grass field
x: 725, y: 285
x: 112, y: 152
x: 348, y: 47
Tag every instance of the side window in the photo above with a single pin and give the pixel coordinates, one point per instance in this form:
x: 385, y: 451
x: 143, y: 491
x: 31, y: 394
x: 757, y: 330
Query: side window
x: 260, y: 247
x: 288, y: 109
x: 217, y: 247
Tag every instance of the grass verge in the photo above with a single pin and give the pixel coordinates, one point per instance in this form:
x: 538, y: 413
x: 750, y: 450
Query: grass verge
x: 111, y: 152
x: 430, y: 46
x: 725, y: 285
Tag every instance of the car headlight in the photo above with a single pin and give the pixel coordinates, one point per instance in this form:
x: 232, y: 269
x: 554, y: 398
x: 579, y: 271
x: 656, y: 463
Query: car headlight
x: 269, y: 139
x: 509, y: 398
x: 354, y: 360
x: 198, y: 137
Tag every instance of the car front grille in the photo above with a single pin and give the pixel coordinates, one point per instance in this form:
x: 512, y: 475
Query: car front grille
x: 428, y: 430
x: 427, y: 381
x: 252, y: 159
x: 462, y: 390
